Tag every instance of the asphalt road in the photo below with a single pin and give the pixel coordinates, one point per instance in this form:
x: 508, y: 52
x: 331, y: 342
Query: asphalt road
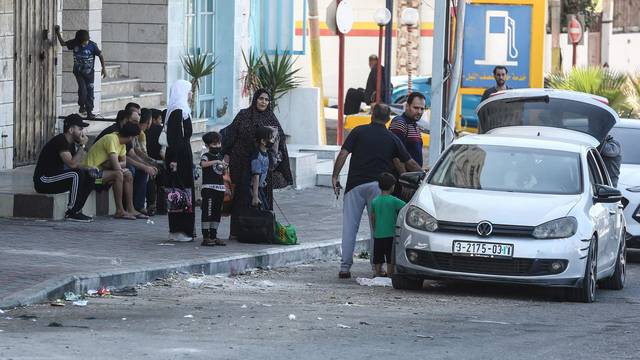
x: 251, y: 316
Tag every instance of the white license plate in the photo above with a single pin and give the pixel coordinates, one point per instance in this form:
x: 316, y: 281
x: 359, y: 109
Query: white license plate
x: 470, y: 248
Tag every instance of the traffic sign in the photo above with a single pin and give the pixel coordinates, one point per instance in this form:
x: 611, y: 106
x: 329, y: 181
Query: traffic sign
x: 574, y: 29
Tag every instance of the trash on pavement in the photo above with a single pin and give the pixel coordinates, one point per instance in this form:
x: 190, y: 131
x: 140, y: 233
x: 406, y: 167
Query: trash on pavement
x: 166, y: 244
x: 124, y: 319
x: 292, y: 317
x: 126, y: 291
x: 319, y: 318
x: 69, y: 296
x: 266, y: 283
x: 80, y: 303
x: 1, y: 312
x: 364, y: 323
x: 149, y: 221
x: 376, y: 281
x: 243, y: 306
x: 103, y: 291
x: 189, y: 316
x: 92, y: 292
x: 57, y: 302
x: 424, y: 336
x: 342, y: 326
x: 195, y: 282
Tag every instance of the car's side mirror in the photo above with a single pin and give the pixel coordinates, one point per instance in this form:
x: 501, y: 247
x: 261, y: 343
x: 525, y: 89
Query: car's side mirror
x: 412, y: 179
x: 607, y: 194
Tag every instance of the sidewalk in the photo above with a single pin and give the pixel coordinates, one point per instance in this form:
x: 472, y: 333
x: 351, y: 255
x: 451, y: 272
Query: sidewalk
x: 42, y: 259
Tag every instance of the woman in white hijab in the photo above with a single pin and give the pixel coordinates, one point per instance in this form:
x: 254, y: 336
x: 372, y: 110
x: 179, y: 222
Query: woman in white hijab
x: 179, y: 159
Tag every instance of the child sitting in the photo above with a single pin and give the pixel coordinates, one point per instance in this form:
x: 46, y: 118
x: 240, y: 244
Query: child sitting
x: 384, y: 212
x: 260, y: 168
x: 213, y: 168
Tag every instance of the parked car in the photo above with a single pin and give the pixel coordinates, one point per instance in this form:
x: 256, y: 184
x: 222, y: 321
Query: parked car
x: 422, y: 84
x: 627, y: 132
x: 526, y: 201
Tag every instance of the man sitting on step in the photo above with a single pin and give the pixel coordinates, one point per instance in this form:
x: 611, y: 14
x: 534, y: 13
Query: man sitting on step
x: 59, y: 170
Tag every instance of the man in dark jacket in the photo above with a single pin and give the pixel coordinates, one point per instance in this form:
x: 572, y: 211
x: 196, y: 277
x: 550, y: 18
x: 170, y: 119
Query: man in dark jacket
x: 355, y: 97
x: 611, y: 152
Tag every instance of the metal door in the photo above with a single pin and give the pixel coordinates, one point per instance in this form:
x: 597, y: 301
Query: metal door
x: 201, y: 17
x: 34, y: 69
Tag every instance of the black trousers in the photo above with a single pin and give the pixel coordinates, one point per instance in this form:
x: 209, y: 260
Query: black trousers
x: 156, y: 197
x: 211, y: 211
x: 353, y: 100
x: 85, y: 89
x: 382, y: 250
x: 78, y: 182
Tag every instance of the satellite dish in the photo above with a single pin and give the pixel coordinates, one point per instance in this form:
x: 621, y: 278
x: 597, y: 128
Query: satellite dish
x: 344, y: 16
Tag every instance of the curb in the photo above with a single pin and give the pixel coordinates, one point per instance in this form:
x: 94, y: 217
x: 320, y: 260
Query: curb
x: 272, y: 257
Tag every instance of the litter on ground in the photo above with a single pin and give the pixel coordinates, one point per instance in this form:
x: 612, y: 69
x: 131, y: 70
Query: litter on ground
x: 342, y: 326
x: 376, y: 281
x: 292, y: 317
x: 80, y: 303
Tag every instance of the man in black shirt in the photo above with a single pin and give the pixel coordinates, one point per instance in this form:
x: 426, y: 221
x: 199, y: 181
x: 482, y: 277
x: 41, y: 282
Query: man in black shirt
x: 355, y: 97
x: 374, y: 150
x: 500, y: 74
x: 58, y: 169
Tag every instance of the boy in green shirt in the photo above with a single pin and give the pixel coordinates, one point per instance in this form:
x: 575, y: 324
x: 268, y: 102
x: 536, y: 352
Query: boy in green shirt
x: 384, y: 212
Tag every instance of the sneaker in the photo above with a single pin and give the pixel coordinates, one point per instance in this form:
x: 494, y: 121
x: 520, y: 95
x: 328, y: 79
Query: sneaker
x: 179, y: 237
x: 90, y: 115
x: 82, y: 111
x: 78, y: 217
x: 344, y: 275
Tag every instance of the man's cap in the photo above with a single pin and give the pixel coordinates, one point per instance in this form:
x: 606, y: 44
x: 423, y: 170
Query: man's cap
x: 74, y: 119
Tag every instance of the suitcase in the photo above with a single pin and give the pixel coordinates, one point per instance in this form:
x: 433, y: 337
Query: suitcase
x: 256, y: 226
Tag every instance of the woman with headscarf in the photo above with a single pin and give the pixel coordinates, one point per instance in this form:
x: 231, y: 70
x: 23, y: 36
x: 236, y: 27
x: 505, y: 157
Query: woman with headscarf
x: 239, y: 145
x: 179, y: 158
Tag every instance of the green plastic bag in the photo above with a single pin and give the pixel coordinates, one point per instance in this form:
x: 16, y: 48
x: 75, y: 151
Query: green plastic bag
x: 285, y: 234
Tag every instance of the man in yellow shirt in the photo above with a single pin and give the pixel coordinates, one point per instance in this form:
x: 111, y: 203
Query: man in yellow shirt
x: 108, y: 155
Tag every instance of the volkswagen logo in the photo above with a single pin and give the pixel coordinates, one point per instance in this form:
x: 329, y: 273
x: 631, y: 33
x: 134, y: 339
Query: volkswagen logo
x: 484, y: 228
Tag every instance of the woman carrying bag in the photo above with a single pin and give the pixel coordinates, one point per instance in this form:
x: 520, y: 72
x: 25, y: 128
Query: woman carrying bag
x: 179, y: 162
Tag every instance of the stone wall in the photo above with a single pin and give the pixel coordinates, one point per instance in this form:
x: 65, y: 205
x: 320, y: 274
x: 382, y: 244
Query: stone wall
x: 80, y: 15
x: 135, y: 37
x: 6, y: 83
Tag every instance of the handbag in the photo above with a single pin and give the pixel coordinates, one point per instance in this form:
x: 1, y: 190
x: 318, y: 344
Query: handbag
x: 285, y: 234
x: 179, y: 200
x: 256, y: 226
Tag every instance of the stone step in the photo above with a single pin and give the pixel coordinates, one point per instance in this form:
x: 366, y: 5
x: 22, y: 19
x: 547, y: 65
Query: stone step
x: 303, y: 169
x: 149, y: 99
x: 324, y: 180
x: 53, y: 206
x: 323, y: 152
x: 113, y: 71
x: 122, y: 85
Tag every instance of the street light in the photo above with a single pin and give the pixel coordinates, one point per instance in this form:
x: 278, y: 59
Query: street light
x: 382, y: 18
x: 409, y: 18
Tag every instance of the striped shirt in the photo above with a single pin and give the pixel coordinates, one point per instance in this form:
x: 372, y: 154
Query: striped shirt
x: 409, y: 133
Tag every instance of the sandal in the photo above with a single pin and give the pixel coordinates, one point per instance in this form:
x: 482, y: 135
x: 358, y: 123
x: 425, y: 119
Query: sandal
x: 124, y: 217
x: 208, y: 242
x: 141, y: 216
x: 219, y: 242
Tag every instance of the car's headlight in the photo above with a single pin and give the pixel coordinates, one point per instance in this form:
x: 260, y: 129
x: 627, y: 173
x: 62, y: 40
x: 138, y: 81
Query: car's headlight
x: 419, y: 219
x: 634, y: 189
x: 556, y: 229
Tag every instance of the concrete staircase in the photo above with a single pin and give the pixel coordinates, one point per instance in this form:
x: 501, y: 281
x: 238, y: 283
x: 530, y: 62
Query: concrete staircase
x: 116, y: 91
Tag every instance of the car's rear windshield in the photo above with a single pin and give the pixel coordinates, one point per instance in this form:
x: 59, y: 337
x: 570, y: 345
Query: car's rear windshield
x: 511, y: 169
x: 546, y: 111
x: 629, y: 139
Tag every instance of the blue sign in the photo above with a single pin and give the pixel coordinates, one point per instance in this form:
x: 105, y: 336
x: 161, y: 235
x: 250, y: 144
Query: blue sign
x: 496, y: 35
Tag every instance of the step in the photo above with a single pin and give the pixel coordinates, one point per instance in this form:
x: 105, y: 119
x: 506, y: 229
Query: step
x: 324, y: 152
x: 148, y: 99
x: 122, y: 85
x: 303, y: 169
x: 113, y: 71
x: 324, y: 180
x: 30, y: 204
x: 324, y: 170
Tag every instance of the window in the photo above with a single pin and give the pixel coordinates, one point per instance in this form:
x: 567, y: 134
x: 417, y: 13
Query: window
x: 595, y: 174
x: 510, y: 169
x: 278, y: 25
x: 628, y: 138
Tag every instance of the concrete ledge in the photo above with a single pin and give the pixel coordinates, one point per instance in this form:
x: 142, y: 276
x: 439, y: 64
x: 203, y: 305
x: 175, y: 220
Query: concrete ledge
x: 272, y: 257
x: 303, y: 168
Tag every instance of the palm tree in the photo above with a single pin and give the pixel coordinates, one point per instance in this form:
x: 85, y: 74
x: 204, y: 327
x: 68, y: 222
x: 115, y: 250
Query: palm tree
x: 196, y: 66
x: 610, y: 84
x: 275, y: 73
x: 634, y: 81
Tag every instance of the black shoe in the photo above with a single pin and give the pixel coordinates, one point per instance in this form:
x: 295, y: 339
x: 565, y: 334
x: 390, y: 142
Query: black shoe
x: 90, y: 115
x: 344, y: 275
x: 82, y: 111
x: 79, y: 217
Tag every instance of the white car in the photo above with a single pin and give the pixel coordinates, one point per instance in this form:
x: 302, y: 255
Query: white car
x: 627, y: 132
x: 527, y: 201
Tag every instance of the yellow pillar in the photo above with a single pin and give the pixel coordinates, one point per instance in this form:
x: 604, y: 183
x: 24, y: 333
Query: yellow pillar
x: 316, y: 63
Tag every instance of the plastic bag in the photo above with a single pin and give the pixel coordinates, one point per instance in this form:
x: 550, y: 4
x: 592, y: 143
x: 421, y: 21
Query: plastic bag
x: 285, y: 234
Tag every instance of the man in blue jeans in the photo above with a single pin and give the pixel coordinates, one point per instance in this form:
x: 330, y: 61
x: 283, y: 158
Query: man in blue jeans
x: 374, y: 150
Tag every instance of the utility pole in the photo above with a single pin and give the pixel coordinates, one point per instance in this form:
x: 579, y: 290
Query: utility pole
x: 606, y: 31
x: 556, y: 56
x: 316, y: 63
x: 387, y: 54
x: 438, y: 89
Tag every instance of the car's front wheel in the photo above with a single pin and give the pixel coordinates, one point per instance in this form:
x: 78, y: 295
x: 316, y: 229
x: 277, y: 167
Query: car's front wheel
x: 616, y: 281
x: 587, y: 290
x: 401, y: 282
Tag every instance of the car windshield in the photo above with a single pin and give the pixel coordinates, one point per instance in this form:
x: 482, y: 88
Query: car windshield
x: 546, y: 111
x: 512, y: 169
x: 629, y: 139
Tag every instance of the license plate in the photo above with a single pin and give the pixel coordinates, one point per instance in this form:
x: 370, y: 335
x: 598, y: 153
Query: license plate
x: 480, y: 249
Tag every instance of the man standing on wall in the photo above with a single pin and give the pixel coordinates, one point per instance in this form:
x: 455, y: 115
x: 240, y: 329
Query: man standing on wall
x: 84, y: 53
x: 500, y: 74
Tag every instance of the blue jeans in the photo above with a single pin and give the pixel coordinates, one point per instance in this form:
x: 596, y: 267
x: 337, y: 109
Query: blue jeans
x: 140, y: 180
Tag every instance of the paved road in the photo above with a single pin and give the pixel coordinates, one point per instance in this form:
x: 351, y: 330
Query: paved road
x: 247, y: 317
x: 32, y: 251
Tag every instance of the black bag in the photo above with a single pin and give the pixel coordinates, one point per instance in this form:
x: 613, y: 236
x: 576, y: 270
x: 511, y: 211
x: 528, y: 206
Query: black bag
x: 256, y: 226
